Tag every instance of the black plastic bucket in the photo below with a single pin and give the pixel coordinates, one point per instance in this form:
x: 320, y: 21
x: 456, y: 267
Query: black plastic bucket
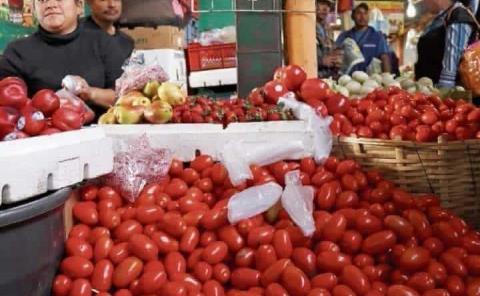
x: 31, y: 245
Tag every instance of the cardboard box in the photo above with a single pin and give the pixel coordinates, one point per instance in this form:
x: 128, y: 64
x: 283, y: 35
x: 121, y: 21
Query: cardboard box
x: 156, y: 38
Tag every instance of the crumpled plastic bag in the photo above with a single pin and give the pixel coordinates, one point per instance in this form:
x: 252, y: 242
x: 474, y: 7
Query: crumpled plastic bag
x: 375, y: 67
x: 237, y: 158
x: 68, y: 95
x: 352, y: 55
x: 320, y: 126
x: 136, y: 166
x: 297, y: 200
x: 218, y: 36
x: 137, y: 73
x: 253, y: 201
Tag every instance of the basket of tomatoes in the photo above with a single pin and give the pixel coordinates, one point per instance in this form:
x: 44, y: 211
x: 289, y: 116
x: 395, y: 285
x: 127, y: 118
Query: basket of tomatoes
x: 423, y: 143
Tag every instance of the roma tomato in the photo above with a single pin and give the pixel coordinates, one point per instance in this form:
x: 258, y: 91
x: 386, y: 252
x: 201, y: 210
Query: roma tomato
x: 295, y: 281
x: 379, y: 242
x: 127, y: 271
x: 61, y: 285
x: 353, y: 277
x: 102, y: 275
x: 76, y: 267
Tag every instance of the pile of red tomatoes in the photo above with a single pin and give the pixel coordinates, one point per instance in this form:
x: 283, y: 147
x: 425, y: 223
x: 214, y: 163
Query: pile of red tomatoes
x: 371, y: 239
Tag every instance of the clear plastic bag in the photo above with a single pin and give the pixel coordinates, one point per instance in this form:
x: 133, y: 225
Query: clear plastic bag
x: 352, y: 55
x: 137, y: 164
x: 253, y: 201
x: 320, y: 126
x: 237, y: 158
x: 218, y: 36
x: 72, y: 86
x: 297, y: 200
x: 137, y: 73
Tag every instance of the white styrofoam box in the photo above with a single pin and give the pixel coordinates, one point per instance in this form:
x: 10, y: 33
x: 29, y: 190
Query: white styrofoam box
x: 172, y: 61
x: 217, y: 77
x: 36, y: 165
x: 182, y: 139
x: 253, y: 133
x: 185, y: 139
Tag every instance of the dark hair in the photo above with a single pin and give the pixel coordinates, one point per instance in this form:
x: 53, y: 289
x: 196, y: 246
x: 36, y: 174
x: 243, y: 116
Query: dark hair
x: 325, y: 2
x: 363, y: 6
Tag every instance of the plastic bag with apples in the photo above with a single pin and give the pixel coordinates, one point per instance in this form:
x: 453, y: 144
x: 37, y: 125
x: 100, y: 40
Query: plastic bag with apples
x: 137, y: 73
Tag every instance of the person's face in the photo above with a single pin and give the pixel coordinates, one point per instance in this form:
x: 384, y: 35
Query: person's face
x: 360, y: 17
x: 323, y: 11
x: 431, y: 6
x: 58, y: 16
x: 106, y: 10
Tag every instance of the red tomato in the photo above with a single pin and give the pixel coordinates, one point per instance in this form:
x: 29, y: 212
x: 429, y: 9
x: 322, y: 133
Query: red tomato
x: 173, y: 224
x: 275, y: 289
x: 342, y: 290
x: 305, y: 259
x: 176, y: 168
x: 189, y: 240
x: 102, y: 249
x: 142, y: 247
x: 203, y: 271
x: 176, y: 188
x: 151, y: 282
x: 109, y: 218
x: 353, y: 277
x: 215, y: 252
x: 455, y: 286
x: 437, y: 271
x: 274, y: 271
x: 453, y: 264
x: 175, y: 263
x: 324, y: 281
x: 379, y: 242
x: 421, y: 282
x: 260, y: 235
x: 78, y: 247
x: 402, y: 228
x: 76, y: 267
x: 102, y: 275
x: 414, y: 259
x: 351, y: 241
x: 127, y: 271
x: 368, y: 224
x: 213, y: 288
x: 61, y: 285
x: 401, y: 290
x: 85, y: 212
x: 295, y: 281
x: 245, y: 278
x: 329, y: 261
x: 265, y: 256
x: 81, y: 287
x: 335, y: 227
x: 128, y: 228
x: 201, y: 163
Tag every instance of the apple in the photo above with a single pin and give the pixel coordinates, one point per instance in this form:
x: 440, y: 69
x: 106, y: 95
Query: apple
x: 128, y: 115
x: 46, y: 101
x: 150, y: 89
x: 32, y: 122
x: 158, y: 112
x: 66, y: 119
x: 171, y: 93
x: 108, y: 117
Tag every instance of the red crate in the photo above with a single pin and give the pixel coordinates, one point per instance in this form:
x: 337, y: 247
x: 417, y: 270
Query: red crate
x: 217, y: 56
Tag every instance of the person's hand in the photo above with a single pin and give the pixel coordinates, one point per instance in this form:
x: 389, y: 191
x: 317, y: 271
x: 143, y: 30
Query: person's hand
x: 328, y: 60
x: 78, y: 86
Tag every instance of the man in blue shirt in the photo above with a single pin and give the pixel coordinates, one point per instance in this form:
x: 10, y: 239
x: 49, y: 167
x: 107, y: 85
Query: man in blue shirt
x: 371, y: 42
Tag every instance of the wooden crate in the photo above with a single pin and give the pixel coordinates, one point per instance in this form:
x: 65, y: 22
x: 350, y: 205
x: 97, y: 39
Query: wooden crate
x: 451, y: 170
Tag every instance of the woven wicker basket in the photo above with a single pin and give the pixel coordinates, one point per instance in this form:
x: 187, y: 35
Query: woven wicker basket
x: 451, y: 170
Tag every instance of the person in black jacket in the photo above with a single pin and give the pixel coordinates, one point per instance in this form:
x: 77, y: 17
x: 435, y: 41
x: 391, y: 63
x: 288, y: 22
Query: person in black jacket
x: 442, y: 43
x: 105, y: 14
x: 62, y: 47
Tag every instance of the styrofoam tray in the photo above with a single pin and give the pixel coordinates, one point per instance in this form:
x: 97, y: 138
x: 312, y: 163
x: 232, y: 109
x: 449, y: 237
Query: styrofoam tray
x: 186, y: 139
x: 36, y: 165
x: 217, y: 77
x: 182, y: 139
